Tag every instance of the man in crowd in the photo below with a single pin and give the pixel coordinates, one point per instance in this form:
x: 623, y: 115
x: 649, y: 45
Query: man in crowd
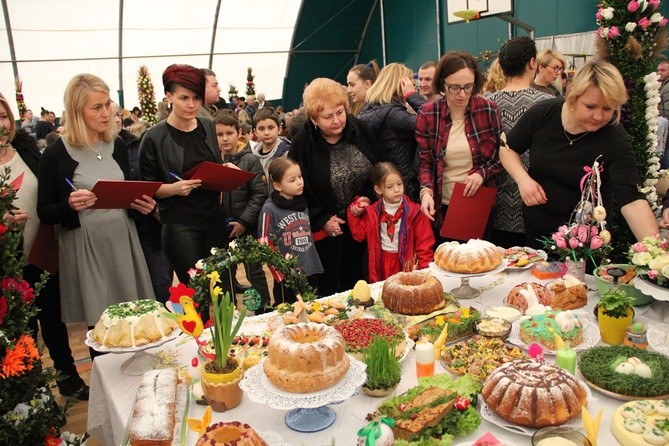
x: 425, y: 78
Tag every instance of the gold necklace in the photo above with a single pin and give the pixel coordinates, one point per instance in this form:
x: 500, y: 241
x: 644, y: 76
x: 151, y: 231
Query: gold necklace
x: 99, y: 152
x: 572, y: 141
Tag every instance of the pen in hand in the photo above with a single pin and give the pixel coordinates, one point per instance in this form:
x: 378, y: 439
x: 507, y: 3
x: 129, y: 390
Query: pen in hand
x: 175, y: 176
x: 67, y: 180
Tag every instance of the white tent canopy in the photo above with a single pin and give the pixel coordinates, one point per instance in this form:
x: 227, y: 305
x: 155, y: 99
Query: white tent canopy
x: 53, y: 41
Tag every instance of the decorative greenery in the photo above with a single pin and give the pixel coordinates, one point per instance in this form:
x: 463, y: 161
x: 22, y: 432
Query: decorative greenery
x: 223, y: 332
x: 20, y: 103
x: 232, y: 91
x: 246, y: 250
x: 631, y: 36
x: 383, y: 369
x: 616, y: 303
x: 28, y: 411
x: 578, y: 241
x: 250, y: 86
x: 147, y: 97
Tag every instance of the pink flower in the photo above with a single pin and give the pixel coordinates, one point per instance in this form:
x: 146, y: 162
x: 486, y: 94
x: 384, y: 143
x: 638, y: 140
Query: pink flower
x: 3, y: 308
x: 573, y: 243
x: 639, y: 247
x: 582, y: 233
x: 596, y: 242
x: 632, y: 6
x: 559, y: 240
x: 652, y: 274
x: 563, y: 229
x: 192, y: 272
x: 663, y: 22
x: 598, y: 33
x: 664, y: 244
x: 613, y: 32
x: 594, y: 231
x: 654, y: 3
x: 644, y: 23
x: 599, y: 15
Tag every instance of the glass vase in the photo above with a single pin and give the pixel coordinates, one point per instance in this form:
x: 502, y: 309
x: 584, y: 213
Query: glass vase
x: 576, y: 268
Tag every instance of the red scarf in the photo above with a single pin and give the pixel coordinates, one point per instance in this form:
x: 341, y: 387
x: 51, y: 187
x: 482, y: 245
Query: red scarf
x: 390, y: 220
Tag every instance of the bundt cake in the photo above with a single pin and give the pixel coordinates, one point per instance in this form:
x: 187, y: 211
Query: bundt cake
x: 533, y: 394
x: 475, y: 256
x: 134, y: 323
x: 413, y: 293
x: 231, y: 433
x: 306, y: 357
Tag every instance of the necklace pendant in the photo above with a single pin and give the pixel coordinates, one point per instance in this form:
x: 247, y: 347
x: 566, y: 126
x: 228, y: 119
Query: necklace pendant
x: 98, y: 156
x: 571, y: 143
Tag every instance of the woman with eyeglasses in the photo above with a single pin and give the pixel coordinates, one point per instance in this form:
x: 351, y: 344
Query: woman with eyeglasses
x: 458, y: 135
x: 550, y: 65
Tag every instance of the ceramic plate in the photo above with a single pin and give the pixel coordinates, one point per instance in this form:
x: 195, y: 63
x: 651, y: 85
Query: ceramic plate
x: 510, y: 253
x: 657, y: 338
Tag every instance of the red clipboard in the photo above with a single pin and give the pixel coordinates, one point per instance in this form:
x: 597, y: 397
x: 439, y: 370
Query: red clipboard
x: 119, y: 194
x: 467, y: 217
x: 217, y: 177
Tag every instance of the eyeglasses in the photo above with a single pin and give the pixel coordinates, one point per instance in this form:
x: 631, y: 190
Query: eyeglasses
x: 556, y: 68
x: 456, y: 89
x: 118, y: 115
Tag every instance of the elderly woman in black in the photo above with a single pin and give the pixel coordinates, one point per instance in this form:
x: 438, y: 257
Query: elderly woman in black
x: 171, y: 148
x: 336, y: 152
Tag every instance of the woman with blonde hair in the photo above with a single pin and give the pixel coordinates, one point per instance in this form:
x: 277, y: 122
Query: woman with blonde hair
x: 336, y: 152
x: 387, y: 116
x: 495, y: 80
x: 550, y: 65
x: 101, y: 259
x: 572, y: 133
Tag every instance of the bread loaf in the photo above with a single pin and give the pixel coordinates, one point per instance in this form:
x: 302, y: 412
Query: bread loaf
x: 152, y: 422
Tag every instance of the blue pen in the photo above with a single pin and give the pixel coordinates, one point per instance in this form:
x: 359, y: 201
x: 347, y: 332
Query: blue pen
x: 67, y: 180
x: 174, y: 175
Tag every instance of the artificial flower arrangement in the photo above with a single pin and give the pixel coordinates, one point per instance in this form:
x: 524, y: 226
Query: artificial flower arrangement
x: 29, y: 413
x: 585, y: 236
x: 651, y: 259
x: 632, y: 36
x: 247, y: 250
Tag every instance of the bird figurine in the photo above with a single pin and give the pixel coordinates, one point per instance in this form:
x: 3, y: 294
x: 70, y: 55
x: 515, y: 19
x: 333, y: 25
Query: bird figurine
x: 467, y: 14
x: 536, y: 352
x: 183, y: 310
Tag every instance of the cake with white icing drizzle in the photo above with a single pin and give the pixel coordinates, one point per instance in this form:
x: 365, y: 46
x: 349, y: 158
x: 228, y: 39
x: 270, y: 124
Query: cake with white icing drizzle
x: 306, y: 357
x: 132, y: 324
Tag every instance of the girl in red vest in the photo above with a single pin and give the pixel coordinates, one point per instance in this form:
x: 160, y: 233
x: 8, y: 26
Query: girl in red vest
x: 399, y: 237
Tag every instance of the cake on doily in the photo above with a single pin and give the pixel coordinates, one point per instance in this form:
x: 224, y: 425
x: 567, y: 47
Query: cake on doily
x: 542, y: 328
x: 231, y: 433
x: 306, y: 357
x: 132, y: 324
x: 533, y: 394
x: 413, y: 293
x: 153, y: 418
x: 475, y: 256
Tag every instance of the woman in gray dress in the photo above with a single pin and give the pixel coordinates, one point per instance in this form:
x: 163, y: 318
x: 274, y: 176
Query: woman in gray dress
x: 101, y: 259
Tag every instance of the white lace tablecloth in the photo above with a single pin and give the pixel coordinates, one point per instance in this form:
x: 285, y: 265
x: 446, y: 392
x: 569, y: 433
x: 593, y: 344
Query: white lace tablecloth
x: 112, y: 393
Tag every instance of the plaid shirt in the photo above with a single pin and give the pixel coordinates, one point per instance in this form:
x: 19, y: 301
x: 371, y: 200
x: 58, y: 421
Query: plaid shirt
x: 483, y: 126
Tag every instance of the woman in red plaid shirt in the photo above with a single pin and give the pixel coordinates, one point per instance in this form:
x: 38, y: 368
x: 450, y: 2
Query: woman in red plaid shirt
x: 458, y: 135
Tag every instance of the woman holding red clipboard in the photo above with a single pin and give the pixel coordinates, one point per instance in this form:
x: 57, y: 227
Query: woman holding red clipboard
x: 168, y: 150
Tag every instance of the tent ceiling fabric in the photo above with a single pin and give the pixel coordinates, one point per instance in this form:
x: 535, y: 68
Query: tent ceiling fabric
x: 53, y: 41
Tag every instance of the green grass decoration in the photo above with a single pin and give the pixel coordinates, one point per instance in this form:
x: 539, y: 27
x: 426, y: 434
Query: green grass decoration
x: 383, y: 369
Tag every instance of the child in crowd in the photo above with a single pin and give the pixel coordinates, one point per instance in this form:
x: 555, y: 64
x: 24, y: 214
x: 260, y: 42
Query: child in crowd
x: 399, y: 236
x: 285, y: 217
x: 242, y: 206
x: 270, y: 146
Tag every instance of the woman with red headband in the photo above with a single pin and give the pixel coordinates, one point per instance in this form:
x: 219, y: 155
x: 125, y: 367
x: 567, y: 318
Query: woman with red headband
x: 171, y: 148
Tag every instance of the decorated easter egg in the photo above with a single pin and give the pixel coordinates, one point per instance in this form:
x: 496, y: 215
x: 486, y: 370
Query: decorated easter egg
x: 599, y: 213
x: 385, y: 435
x: 606, y: 236
x: 251, y: 299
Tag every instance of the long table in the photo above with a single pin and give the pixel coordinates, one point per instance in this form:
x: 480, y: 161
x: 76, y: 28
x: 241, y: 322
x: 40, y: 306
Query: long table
x: 112, y: 392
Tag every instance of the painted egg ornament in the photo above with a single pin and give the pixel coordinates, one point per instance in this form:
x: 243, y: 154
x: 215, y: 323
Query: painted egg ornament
x: 599, y: 213
x: 251, y: 299
x: 377, y: 433
x: 606, y: 236
x: 582, y: 216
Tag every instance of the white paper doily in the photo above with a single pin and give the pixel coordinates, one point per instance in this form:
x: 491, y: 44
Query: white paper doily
x: 273, y: 438
x: 656, y: 291
x: 260, y: 390
x: 590, y: 337
x: 657, y: 338
x: 437, y: 270
x: 89, y: 341
x: 489, y: 415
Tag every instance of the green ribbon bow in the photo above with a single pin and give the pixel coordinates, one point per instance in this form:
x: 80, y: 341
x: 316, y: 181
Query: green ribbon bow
x: 373, y: 430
